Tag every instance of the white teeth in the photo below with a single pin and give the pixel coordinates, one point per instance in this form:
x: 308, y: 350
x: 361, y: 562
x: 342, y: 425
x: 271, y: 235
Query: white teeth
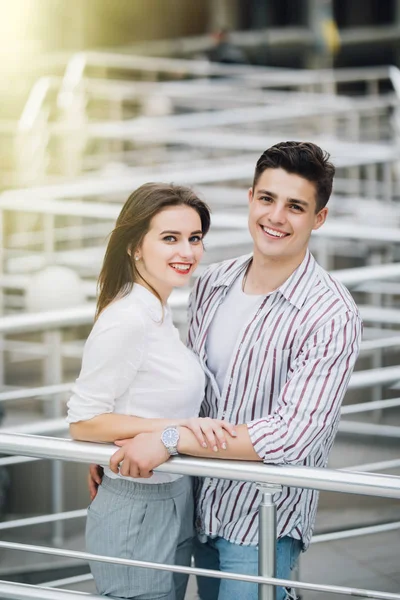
x: 181, y: 267
x: 274, y: 232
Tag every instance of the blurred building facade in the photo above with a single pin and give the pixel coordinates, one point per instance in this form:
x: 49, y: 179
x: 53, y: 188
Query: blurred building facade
x: 279, y: 33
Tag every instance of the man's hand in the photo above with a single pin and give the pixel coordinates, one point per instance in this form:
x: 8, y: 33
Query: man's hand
x: 95, y: 476
x: 138, y: 457
x: 210, y: 432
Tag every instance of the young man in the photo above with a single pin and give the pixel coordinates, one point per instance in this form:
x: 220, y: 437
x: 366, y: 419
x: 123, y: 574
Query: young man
x: 277, y: 338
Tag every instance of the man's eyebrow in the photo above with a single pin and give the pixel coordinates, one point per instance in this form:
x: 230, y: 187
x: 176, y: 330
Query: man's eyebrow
x: 275, y: 196
x: 266, y: 193
x: 302, y: 202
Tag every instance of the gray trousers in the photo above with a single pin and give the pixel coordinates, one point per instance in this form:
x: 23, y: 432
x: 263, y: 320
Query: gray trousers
x: 149, y: 522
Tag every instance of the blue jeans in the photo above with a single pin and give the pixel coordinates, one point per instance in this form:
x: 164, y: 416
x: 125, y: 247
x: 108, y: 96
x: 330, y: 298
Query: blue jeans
x: 221, y: 555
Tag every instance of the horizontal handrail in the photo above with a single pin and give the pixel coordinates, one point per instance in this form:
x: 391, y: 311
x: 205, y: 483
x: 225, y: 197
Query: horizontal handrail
x: 288, y: 77
x: 382, y: 465
x: 333, y: 589
x: 84, y: 315
x: 41, y: 519
x: 23, y: 591
x: 288, y: 475
x: 27, y: 393
x: 357, y: 532
x: 369, y: 429
x: 69, y: 580
x: 350, y: 409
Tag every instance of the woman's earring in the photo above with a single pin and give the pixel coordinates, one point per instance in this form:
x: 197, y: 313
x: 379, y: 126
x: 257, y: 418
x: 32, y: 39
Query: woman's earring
x: 136, y: 258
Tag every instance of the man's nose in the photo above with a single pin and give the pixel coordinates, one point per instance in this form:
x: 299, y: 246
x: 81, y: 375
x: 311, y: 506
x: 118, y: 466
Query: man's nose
x: 277, y: 214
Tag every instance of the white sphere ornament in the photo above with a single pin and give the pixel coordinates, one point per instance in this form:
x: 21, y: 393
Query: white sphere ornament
x: 54, y: 288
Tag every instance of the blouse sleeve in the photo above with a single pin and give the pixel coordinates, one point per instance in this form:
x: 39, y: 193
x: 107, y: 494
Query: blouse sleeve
x: 112, y: 356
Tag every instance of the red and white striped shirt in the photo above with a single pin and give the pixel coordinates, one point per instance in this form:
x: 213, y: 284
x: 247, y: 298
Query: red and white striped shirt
x: 287, y: 377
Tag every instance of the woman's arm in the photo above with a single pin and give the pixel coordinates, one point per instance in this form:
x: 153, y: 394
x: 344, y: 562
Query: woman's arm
x: 111, y: 426
x: 112, y: 356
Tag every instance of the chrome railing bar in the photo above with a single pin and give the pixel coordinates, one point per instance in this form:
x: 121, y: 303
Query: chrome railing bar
x: 23, y: 591
x: 352, y: 533
x: 49, y: 390
x: 325, y: 537
x: 294, y: 77
x: 204, y: 572
x: 63, y: 516
x: 387, y: 431
x: 84, y: 314
x: 288, y: 475
x: 25, y: 393
x: 16, y: 460
x: 38, y: 428
x: 350, y: 409
x: 382, y: 465
x: 69, y: 580
x: 371, y: 377
x: 380, y: 343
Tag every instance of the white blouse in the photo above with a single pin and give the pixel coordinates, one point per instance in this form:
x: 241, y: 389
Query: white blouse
x: 134, y: 363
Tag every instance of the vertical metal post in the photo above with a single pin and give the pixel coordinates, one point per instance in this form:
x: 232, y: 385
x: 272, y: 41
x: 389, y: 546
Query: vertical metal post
x: 53, y: 375
x: 267, y: 539
x: 376, y: 299
x: 49, y: 238
x: 387, y: 182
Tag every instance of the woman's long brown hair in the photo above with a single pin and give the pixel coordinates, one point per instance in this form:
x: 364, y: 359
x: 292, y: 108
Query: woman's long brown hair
x: 119, y: 273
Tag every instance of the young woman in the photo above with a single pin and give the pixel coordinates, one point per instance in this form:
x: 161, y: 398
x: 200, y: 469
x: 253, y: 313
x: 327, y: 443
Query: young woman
x: 137, y: 376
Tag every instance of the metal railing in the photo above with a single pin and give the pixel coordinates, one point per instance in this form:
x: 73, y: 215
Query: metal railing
x: 75, y: 87
x: 21, y: 591
x: 269, y: 479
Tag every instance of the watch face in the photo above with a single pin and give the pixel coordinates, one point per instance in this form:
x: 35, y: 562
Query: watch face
x: 170, y: 437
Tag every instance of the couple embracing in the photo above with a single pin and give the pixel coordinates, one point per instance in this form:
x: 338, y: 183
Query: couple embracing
x: 272, y: 343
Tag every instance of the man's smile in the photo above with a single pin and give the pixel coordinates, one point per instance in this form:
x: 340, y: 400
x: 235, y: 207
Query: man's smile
x: 274, y: 233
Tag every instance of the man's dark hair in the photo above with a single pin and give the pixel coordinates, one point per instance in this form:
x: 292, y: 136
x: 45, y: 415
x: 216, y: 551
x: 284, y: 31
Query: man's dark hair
x: 301, y: 158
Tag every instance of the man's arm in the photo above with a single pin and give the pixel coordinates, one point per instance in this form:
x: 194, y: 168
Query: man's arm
x: 239, y: 447
x: 309, y: 403
x: 308, y: 408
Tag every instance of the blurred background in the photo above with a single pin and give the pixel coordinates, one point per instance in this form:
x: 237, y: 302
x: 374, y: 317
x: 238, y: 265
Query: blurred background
x: 100, y: 96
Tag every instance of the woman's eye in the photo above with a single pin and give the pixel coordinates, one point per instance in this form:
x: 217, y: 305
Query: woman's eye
x: 195, y: 239
x: 169, y: 238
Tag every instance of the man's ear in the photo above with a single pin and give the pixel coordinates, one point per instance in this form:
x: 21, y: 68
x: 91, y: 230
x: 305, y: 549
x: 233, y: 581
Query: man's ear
x: 320, y: 218
x: 250, y: 194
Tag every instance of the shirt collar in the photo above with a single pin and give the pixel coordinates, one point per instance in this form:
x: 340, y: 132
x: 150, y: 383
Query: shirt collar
x: 298, y: 286
x: 233, y: 271
x: 295, y: 289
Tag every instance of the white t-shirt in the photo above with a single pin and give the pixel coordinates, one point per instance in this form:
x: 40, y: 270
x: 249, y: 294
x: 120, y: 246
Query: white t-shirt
x: 229, y: 319
x: 134, y: 363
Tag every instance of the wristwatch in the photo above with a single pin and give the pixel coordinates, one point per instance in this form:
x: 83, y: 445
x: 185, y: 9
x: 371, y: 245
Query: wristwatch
x: 170, y: 438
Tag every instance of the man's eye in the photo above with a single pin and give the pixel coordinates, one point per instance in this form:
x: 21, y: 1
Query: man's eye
x: 266, y: 198
x: 296, y: 207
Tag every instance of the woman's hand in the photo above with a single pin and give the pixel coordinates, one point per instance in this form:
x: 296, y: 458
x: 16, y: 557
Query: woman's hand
x: 95, y: 476
x: 209, y: 432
